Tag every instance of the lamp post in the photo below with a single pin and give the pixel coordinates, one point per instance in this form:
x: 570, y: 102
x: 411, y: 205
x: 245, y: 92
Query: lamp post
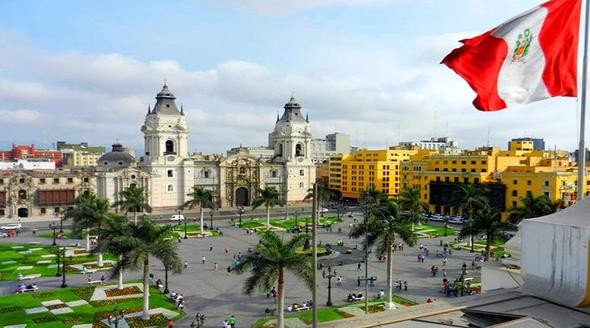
x: 240, y: 212
x: 63, y: 270
x: 329, y: 276
x: 58, y: 258
x: 185, y: 235
x: 53, y: 227
x: 211, y: 215
x: 114, y: 319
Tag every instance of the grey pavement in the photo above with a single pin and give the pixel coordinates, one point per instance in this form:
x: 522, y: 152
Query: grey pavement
x: 218, y: 294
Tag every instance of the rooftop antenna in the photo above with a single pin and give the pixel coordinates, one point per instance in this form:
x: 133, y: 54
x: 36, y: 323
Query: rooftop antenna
x: 165, y: 82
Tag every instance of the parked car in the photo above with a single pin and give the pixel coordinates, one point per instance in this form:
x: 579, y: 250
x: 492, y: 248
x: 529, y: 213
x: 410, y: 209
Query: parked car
x: 324, y: 210
x: 12, y: 226
x: 436, y: 217
x: 177, y: 217
x: 457, y: 220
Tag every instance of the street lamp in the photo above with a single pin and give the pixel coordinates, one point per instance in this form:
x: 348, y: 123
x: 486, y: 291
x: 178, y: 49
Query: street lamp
x: 114, y: 319
x: 240, y: 212
x: 58, y: 258
x: 53, y: 227
x: 329, y: 276
x: 211, y: 214
x: 63, y: 270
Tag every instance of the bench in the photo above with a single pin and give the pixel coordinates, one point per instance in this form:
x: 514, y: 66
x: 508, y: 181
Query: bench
x: 95, y: 282
x: 24, y: 290
x: 29, y: 277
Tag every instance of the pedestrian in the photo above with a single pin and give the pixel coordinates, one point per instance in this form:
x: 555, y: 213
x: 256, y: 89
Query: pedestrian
x: 170, y: 324
x: 229, y: 269
x: 226, y: 250
x: 339, y: 281
x: 215, y: 266
x: 421, y: 246
x: 232, y: 321
x: 358, y: 281
x: 359, y: 266
x: 323, y: 274
x: 186, y: 264
x: 444, y: 272
x: 226, y: 324
x: 405, y: 285
x: 210, y: 247
x: 426, y: 251
x: 444, y: 261
x: 203, y: 260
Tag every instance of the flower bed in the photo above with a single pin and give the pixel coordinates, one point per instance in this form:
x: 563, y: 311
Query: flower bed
x: 45, y: 318
x: 343, y: 314
x: 56, y: 306
x: 42, y: 295
x: 84, y: 293
x: 121, y: 292
x: 156, y: 320
x: 102, y: 303
x: 9, y: 309
x: 374, y: 308
x: 75, y: 320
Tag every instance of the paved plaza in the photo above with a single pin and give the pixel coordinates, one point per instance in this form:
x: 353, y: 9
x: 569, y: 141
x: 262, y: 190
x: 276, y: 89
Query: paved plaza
x: 218, y: 293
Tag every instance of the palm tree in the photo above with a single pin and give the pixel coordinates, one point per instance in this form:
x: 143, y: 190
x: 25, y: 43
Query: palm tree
x: 373, y: 196
x: 324, y: 195
x: 133, y: 200
x: 202, y: 198
x: 382, y: 228
x: 268, y: 264
x: 410, y: 201
x: 89, y: 212
x: 114, y: 239
x: 146, y: 240
x: 269, y: 197
x: 486, y: 220
x: 533, y: 207
x: 469, y: 198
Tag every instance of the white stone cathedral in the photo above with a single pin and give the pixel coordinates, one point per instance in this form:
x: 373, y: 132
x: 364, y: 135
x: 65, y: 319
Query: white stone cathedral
x: 167, y: 172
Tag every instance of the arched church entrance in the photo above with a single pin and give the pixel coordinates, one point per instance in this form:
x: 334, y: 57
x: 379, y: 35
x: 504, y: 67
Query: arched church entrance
x: 242, y: 198
x: 23, y: 212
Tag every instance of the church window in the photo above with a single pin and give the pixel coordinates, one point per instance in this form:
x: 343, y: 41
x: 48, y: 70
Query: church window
x: 242, y: 170
x: 273, y: 173
x: 301, y: 172
x: 281, y: 149
x: 206, y: 174
x: 106, y: 163
x: 133, y: 185
x: 147, y: 153
x: 120, y: 163
x: 170, y: 188
x: 169, y: 147
x: 170, y: 173
x: 133, y: 177
x: 301, y: 185
x: 299, y: 150
x: 22, y: 194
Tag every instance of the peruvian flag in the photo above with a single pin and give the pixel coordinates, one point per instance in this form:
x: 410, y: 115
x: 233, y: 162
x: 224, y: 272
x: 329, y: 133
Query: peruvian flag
x: 528, y: 58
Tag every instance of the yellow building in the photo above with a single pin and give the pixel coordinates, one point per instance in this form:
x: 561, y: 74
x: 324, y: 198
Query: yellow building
x: 335, y: 171
x: 378, y: 168
x: 507, y: 174
x: 79, y: 155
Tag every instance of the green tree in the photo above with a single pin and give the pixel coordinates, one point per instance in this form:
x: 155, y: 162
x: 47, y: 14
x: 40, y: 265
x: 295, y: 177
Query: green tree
x: 132, y: 200
x: 469, y: 198
x: 200, y: 197
x: 382, y: 228
x: 269, y: 197
x: 89, y: 212
x: 410, y: 201
x: 488, y: 221
x: 114, y: 239
x: 324, y: 195
x: 533, y: 207
x: 373, y: 196
x: 268, y: 264
x: 149, y: 240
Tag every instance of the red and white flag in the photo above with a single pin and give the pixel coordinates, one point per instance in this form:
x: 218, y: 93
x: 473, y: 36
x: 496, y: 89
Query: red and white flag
x: 528, y: 58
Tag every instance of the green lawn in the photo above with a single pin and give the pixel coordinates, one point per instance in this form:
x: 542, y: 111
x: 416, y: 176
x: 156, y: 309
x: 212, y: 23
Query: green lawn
x: 426, y: 230
x: 12, y: 308
x: 35, y: 259
x: 326, y: 314
x: 286, y: 224
x: 192, y: 230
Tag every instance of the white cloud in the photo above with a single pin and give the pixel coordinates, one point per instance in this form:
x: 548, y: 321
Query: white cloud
x: 22, y: 116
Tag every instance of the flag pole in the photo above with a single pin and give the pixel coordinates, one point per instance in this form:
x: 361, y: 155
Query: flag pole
x: 582, y: 145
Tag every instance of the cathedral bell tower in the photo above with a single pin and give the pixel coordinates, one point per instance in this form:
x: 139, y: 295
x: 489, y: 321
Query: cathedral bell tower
x: 165, y: 131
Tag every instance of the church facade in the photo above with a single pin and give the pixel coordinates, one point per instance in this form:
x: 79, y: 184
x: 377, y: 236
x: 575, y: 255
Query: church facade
x: 167, y: 171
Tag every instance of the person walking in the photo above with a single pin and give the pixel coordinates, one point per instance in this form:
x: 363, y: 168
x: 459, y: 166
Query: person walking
x: 232, y: 321
x: 339, y: 281
x: 359, y: 267
x: 215, y: 266
x: 203, y: 260
x: 210, y: 247
x: 186, y: 264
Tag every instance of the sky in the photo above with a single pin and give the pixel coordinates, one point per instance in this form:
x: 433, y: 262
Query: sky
x: 87, y: 71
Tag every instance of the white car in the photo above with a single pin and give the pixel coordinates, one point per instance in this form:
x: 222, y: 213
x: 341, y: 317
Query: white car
x: 12, y: 226
x: 177, y: 217
x: 324, y: 210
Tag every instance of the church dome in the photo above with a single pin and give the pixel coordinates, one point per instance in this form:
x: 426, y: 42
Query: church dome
x: 165, y: 103
x: 116, y: 158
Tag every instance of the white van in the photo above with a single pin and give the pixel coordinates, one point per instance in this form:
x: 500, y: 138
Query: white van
x: 177, y: 217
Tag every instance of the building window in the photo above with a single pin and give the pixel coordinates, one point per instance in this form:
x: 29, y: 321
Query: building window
x: 70, y: 180
x: 170, y: 173
x: 21, y: 180
x: 514, y: 181
x: 22, y: 194
x: 529, y: 193
x: 242, y: 170
x: 546, y: 193
x: 513, y: 204
x: 206, y: 174
x: 133, y: 177
x: 42, y: 181
x: 301, y: 185
x: 56, y: 210
x: 546, y: 183
x: 476, y: 180
x: 273, y: 173
x: 170, y: 188
x: 169, y: 147
x: 1, y: 181
x: 85, y: 179
x: 43, y: 210
x: 301, y: 172
x: 298, y: 150
x: 514, y: 193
